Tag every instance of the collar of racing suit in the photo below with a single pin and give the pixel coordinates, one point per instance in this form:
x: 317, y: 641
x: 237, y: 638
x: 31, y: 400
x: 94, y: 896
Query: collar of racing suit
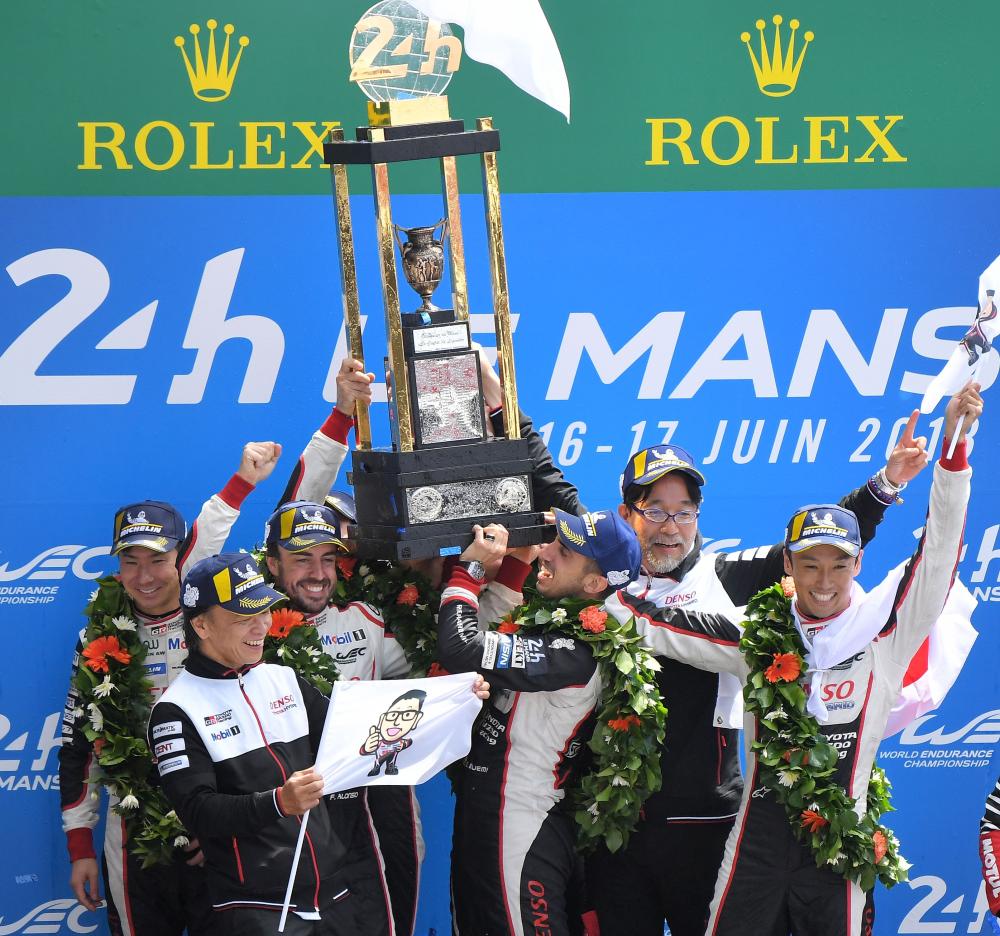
x: 197, y: 664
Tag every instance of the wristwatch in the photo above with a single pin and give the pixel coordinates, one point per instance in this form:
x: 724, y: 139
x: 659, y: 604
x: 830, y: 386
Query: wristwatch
x: 475, y: 569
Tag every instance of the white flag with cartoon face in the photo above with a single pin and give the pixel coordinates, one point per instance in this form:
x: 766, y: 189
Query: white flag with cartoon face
x: 966, y: 361
x: 395, y: 732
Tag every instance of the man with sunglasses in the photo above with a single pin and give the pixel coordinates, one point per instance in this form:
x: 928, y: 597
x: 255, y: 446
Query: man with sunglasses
x: 668, y: 870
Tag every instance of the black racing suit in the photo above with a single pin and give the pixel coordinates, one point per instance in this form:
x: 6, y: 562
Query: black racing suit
x: 514, y: 864
x: 383, y: 822
x: 225, y: 742
x: 769, y: 883
x: 668, y: 869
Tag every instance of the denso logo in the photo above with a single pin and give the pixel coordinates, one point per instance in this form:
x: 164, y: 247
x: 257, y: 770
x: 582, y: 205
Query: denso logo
x: 842, y: 690
x: 283, y: 704
x: 51, y: 565
x: 983, y: 729
x: 49, y: 918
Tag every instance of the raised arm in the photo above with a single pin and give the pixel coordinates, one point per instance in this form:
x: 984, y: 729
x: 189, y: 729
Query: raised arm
x: 320, y: 461
x: 208, y: 534
x: 928, y: 575
x: 509, y: 661
x: 746, y: 572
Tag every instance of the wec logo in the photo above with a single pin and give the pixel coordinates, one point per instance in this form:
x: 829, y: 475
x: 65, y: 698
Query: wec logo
x: 983, y: 729
x: 55, y: 562
x: 51, y: 565
x: 50, y: 917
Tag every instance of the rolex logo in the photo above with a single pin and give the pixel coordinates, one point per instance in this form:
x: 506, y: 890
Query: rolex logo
x: 777, y: 71
x: 211, y: 75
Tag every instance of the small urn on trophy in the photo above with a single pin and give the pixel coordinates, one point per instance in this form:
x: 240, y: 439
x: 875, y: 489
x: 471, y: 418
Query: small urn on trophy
x: 423, y: 259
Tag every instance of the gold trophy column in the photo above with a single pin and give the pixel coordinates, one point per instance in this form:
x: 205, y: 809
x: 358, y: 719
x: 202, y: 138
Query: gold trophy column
x: 456, y: 243
x: 390, y: 297
x: 349, y: 288
x: 501, y: 296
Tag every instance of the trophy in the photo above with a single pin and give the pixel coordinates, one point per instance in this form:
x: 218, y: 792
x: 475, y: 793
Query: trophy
x: 443, y: 472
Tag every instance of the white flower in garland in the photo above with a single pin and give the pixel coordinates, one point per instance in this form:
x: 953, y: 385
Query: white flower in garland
x: 93, y: 594
x: 364, y: 571
x: 595, y: 810
x: 123, y: 623
x: 559, y: 615
x: 619, y: 780
x: 96, y: 718
x: 840, y: 856
x: 182, y: 841
x: 281, y: 650
x: 103, y: 689
x: 777, y: 715
x: 129, y: 802
x: 313, y: 653
x: 787, y: 778
x: 368, y: 580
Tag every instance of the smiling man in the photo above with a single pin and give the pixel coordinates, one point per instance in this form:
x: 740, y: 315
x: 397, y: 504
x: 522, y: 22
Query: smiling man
x: 235, y: 742
x: 154, y: 547
x: 668, y: 869
x: 857, y: 647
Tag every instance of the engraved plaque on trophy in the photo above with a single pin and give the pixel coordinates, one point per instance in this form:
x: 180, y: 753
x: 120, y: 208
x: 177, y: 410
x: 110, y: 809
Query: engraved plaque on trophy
x: 445, y: 470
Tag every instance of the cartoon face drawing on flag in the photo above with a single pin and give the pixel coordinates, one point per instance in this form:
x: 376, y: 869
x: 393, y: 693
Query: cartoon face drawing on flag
x: 967, y: 360
x: 401, y: 731
x: 388, y: 738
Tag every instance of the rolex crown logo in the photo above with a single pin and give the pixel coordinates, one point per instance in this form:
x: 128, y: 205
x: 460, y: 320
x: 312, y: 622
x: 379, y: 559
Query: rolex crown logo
x: 777, y: 73
x: 211, y: 75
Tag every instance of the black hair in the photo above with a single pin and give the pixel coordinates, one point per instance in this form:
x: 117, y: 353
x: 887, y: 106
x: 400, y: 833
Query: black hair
x: 418, y: 694
x: 636, y: 493
x: 191, y: 637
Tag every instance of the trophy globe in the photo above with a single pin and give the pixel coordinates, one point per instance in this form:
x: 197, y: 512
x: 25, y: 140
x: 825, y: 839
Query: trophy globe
x: 398, y: 54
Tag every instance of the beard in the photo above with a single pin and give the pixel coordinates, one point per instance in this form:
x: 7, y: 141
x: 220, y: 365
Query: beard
x: 662, y: 565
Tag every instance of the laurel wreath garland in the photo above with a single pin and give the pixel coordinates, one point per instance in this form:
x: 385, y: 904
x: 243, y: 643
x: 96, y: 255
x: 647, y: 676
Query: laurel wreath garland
x: 631, y: 720
x: 114, y: 697
x: 405, y: 597
x: 293, y: 641
x: 798, y: 764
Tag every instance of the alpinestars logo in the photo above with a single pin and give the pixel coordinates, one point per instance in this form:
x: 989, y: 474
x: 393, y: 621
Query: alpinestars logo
x: 50, y: 917
x: 47, y: 568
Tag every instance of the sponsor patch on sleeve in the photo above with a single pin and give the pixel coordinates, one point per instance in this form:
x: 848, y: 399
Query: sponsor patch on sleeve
x: 173, y: 746
x: 490, y: 642
x: 505, y: 651
x: 175, y: 763
x: 167, y: 728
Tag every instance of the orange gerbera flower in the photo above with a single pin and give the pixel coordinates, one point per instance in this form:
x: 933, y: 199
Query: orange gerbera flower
x: 284, y: 621
x: 785, y: 668
x: 812, y: 821
x: 98, y: 651
x: 436, y: 669
x: 345, y: 566
x: 881, y: 845
x: 99, y: 745
x: 508, y: 626
x: 592, y: 619
x: 623, y: 724
x: 409, y: 595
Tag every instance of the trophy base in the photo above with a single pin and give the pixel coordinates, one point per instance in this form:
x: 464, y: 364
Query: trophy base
x: 415, y: 505
x: 449, y: 538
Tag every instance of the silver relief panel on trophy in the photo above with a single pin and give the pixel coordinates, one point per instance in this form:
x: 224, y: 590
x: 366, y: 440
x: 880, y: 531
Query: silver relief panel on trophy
x: 460, y: 499
x: 448, y: 402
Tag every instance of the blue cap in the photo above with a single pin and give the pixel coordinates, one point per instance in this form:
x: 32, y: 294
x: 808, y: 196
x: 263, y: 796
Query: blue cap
x: 651, y: 464
x: 232, y: 581
x: 152, y: 524
x: 823, y: 524
x: 300, y: 525
x: 342, y: 503
x: 605, y: 538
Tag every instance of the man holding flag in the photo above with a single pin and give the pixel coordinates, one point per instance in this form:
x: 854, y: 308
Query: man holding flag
x: 235, y: 741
